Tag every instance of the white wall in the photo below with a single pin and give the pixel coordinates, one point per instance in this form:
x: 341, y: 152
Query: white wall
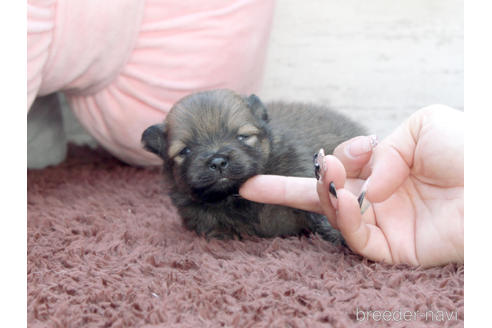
x: 377, y: 61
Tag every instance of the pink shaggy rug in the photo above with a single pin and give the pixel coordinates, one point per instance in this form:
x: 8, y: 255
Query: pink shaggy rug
x: 107, y: 249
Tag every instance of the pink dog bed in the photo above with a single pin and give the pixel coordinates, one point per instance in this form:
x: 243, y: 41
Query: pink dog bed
x: 123, y: 63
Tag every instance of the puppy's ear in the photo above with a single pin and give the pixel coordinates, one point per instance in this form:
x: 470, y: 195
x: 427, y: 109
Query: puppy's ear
x: 257, y: 108
x: 154, y: 139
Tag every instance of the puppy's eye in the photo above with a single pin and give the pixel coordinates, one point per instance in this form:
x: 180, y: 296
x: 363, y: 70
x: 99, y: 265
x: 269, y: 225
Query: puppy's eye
x: 185, y: 151
x: 242, y: 137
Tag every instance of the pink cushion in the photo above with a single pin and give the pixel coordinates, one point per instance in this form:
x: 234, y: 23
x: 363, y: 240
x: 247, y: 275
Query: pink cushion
x: 123, y: 63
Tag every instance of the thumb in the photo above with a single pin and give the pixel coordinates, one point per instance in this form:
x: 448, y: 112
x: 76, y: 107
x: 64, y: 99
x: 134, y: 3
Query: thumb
x: 355, y: 155
x: 391, y: 163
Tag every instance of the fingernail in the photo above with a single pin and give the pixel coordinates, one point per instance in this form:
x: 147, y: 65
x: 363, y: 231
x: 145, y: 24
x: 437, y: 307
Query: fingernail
x: 333, y: 190
x: 361, y: 145
x: 333, y: 195
x: 363, y: 190
x: 361, y: 198
x: 318, y: 161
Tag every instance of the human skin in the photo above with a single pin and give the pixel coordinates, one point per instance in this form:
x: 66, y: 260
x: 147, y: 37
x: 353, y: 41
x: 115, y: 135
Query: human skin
x: 415, y: 191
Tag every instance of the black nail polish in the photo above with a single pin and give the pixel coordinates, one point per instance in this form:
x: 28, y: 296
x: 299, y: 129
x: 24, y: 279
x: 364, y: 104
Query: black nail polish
x: 316, y: 166
x: 361, y: 198
x: 332, y: 189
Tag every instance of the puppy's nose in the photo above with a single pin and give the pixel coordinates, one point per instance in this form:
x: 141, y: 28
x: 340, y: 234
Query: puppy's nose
x: 218, y: 163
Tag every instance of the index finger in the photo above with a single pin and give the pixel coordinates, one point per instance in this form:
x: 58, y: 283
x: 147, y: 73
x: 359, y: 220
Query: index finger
x: 280, y: 190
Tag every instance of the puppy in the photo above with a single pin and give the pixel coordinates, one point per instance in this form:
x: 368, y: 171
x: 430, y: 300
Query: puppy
x: 213, y: 141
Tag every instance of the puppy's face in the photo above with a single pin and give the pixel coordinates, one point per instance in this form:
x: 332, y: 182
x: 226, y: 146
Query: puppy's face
x: 212, y: 142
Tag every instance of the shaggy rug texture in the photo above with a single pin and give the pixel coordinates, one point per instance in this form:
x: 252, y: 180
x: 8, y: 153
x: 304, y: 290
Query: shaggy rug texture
x: 106, y: 248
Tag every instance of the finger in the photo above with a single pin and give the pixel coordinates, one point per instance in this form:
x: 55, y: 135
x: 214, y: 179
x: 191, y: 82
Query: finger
x: 279, y: 190
x: 438, y: 156
x: 335, y: 172
x: 412, y: 147
x: 332, y: 171
x: 365, y: 239
x: 355, y: 155
x: 391, y: 163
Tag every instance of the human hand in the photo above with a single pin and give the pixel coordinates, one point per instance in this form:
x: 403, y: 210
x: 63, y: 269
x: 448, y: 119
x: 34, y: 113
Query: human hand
x: 415, y: 191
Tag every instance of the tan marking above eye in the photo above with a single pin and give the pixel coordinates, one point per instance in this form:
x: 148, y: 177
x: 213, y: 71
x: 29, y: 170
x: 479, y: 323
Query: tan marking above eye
x: 175, y: 148
x: 248, y: 130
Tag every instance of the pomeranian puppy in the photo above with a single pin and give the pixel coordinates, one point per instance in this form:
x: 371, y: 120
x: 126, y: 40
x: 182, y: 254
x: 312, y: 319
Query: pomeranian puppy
x: 211, y: 142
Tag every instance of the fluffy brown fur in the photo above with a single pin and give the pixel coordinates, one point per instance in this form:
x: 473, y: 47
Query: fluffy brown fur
x: 212, y: 142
